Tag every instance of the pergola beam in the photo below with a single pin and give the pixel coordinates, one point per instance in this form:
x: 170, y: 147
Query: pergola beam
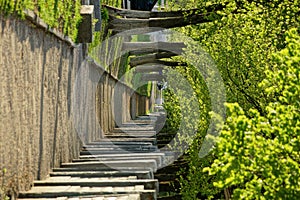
x: 149, y: 68
x: 150, y: 58
x: 176, y: 47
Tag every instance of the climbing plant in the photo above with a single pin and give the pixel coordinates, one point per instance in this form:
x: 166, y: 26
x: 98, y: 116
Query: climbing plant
x: 115, y: 3
x: 64, y: 15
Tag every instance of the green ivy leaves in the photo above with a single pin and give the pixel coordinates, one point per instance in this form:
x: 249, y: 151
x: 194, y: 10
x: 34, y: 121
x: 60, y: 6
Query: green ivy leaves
x: 64, y: 15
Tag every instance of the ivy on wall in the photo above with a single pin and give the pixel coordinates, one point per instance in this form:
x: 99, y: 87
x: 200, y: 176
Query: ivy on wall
x: 63, y: 15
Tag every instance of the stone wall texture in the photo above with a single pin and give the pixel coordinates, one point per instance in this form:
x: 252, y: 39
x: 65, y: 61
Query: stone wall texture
x: 51, y: 102
x: 37, y: 71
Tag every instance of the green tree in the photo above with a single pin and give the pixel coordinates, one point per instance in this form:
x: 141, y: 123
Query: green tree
x: 241, y: 42
x: 259, y: 155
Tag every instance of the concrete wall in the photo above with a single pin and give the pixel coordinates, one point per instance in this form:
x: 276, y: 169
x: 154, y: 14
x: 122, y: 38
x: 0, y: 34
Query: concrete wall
x: 51, y: 101
x: 37, y: 71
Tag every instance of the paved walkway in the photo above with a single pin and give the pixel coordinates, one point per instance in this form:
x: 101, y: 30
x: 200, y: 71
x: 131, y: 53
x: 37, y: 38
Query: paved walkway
x: 120, y: 166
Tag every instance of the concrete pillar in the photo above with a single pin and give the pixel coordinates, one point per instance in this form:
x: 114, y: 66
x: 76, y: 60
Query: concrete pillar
x: 85, y: 30
x: 98, y: 106
x: 133, y: 106
x: 118, y: 104
x: 97, y: 13
x: 85, y: 2
x: 103, y: 105
x: 111, y: 84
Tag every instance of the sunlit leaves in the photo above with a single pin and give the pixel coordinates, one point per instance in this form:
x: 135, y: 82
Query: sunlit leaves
x: 259, y: 155
x: 259, y: 137
x: 64, y: 15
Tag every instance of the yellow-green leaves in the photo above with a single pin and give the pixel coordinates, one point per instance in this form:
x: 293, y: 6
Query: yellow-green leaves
x: 64, y: 15
x: 259, y: 155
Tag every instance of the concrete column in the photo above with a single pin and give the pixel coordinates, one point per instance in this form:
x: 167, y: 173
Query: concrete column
x: 85, y: 2
x: 85, y: 32
x: 98, y: 106
x: 118, y: 104
x: 111, y: 105
x: 97, y: 13
x: 123, y: 105
x: 105, y: 104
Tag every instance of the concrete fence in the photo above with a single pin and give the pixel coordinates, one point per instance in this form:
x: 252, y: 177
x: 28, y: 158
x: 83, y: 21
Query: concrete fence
x: 51, y: 101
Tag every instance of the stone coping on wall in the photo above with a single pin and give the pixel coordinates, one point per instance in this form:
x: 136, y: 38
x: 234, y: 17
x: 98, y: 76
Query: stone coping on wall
x: 36, y: 20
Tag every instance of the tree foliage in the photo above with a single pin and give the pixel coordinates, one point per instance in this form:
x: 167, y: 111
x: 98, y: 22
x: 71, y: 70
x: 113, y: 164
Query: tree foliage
x: 242, y: 42
x: 259, y: 155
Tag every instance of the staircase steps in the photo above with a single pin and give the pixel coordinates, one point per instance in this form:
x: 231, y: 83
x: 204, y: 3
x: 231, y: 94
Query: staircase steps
x: 144, y: 164
x: 91, y: 197
x: 158, y: 159
x: 78, y: 191
x: 130, y: 135
x: 97, y: 182
x: 103, y: 174
x: 122, y: 140
x: 133, y: 129
x: 120, y: 166
x: 119, y: 143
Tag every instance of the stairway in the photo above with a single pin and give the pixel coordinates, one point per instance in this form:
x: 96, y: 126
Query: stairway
x: 120, y: 166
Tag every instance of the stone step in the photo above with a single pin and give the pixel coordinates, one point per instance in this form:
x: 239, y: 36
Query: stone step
x: 116, y: 148
x: 132, y: 134
x: 103, y: 174
x: 163, y: 158
x: 134, y: 129
x: 117, y: 143
x: 146, y: 121
x: 103, y: 178
x: 161, y: 154
x: 96, y: 182
x: 129, y: 135
x: 98, y: 197
x: 77, y: 191
x: 158, y: 159
x: 145, y: 164
x: 97, y: 147
x: 104, y: 168
x: 137, y: 124
x: 116, y: 140
x: 118, y: 151
x: 144, y: 117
